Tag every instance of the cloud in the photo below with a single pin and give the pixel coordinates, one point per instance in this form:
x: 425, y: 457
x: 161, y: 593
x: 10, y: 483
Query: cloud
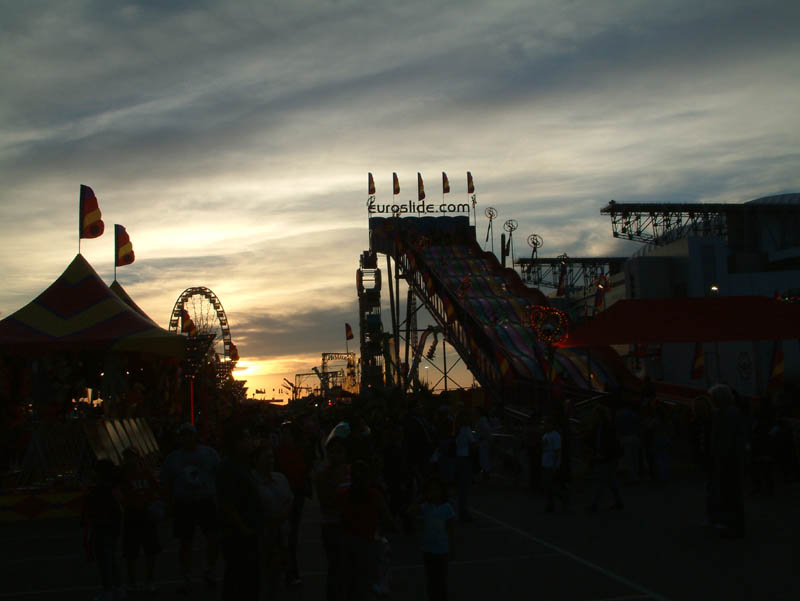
x: 233, y: 140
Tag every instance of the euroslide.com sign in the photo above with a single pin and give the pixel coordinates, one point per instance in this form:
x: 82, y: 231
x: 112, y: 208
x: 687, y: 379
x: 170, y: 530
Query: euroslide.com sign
x: 416, y: 208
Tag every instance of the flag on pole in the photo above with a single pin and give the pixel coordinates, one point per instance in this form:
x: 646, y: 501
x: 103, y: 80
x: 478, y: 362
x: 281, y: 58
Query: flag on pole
x: 777, y: 366
x: 470, y: 183
x: 348, y: 332
x: 562, y: 280
x: 187, y: 324
x: 420, y: 187
x: 124, y: 249
x: 598, y: 297
x: 445, y: 183
x: 395, y: 184
x: 698, y: 362
x: 91, y: 222
x: 370, y: 184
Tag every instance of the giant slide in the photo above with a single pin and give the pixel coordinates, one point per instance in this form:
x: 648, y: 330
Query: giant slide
x: 483, y: 308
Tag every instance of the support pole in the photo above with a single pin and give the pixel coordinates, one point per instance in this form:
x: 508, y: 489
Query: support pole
x: 191, y: 398
x: 397, y: 319
x: 391, y: 299
x: 444, y: 359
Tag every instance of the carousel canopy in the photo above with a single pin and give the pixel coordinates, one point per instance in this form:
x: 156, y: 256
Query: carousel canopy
x: 663, y: 320
x: 79, y: 312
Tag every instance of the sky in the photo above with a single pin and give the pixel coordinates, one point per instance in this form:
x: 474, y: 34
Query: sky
x: 233, y: 140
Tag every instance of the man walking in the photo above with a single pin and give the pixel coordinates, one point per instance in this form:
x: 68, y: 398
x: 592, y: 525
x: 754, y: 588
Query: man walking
x: 188, y: 480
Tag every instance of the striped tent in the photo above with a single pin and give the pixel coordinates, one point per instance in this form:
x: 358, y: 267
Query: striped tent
x: 78, y: 312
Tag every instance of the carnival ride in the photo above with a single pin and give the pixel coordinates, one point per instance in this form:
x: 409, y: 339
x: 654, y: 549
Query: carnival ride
x: 198, y: 312
x: 480, y: 307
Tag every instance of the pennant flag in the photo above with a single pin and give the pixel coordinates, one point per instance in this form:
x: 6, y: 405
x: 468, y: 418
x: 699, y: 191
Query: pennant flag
x: 562, y: 280
x: 445, y: 183
x: 370, y: 185
x: 395, y: 184
x: 420, y: 187
x: 598, y: 298
x: 470, y: 183
x: 122, y: 242
x: 698, y: 362
x: 91, y: 222
x: 348, y: 332
x: 187, y: 324
x: 777, y: 367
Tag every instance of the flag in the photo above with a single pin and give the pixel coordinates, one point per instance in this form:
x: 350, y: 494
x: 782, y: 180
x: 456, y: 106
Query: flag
x: 470, y: 183
x: 562, y: 280
x: 123, y: 246
x: 698, y: 362
x: 91, y: 223
x: 187, y: 324
x: 348, y: 332
x: 370, y: 185
x: 420, y: 187
x: 445, y: 183
x: 777, y: 366
x: 395, y: 184
x: 598, y: 298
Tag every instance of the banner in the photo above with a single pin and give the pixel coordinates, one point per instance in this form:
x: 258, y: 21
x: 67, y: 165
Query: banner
x: 777, y: 366
x: 698, y: 362
x: 187, y: 324
x: 124, y: 249
x: 91, y: 223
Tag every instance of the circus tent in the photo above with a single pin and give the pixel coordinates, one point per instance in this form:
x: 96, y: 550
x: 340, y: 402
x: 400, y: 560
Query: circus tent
x: 79, y: 312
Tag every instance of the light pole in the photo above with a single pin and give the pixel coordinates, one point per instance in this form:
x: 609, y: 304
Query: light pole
x: 714, y: 290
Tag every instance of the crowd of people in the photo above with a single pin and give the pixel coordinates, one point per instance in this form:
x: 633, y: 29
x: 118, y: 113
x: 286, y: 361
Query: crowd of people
x: 374, y: 472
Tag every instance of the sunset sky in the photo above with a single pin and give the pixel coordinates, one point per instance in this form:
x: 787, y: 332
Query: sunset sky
x: 233, y: 140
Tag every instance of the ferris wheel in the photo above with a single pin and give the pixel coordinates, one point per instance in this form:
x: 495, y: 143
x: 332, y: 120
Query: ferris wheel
x: 206, y: 313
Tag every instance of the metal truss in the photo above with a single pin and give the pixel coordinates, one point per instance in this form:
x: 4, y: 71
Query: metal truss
x: 581, y: 272
x: 659, y: 223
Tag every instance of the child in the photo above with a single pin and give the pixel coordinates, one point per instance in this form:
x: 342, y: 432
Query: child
x: 438, y: 542
x: 363, y: 508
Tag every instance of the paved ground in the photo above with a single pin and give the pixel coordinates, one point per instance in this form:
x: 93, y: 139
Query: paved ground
x: 657, y: 548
